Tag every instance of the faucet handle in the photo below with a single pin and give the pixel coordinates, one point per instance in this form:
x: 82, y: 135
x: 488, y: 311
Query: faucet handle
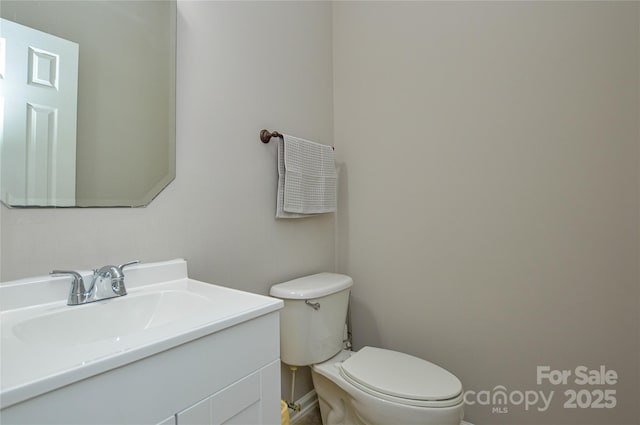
x: 77, y: 294
x: 117, y: 276
x: 113, y: 272
x: 130, y: 263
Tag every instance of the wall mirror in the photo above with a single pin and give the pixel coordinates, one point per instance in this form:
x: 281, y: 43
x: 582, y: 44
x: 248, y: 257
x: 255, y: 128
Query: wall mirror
x: 87, y: 102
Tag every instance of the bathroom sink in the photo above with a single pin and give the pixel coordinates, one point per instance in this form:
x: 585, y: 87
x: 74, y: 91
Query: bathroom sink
x: 46, y: 344
x: 111, y: 319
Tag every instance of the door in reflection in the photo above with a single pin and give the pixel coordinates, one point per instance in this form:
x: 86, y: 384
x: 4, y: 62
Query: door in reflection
x: 38, y: 108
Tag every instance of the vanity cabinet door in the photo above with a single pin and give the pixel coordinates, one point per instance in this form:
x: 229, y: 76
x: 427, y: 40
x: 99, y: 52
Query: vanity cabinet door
x: 198, y: 414
x: 239, y: 403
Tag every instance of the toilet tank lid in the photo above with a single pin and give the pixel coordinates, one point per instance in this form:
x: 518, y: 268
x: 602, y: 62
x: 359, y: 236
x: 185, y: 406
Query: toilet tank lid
x: 314, y: 286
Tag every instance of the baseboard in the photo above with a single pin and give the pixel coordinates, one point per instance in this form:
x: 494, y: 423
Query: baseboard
x: 308, y: 403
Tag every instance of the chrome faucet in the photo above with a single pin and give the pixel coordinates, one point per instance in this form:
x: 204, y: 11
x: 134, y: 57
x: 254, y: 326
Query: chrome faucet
x: 112, y: 274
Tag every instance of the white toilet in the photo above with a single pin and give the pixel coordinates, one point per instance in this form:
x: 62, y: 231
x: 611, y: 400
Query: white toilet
x: 372, y: 386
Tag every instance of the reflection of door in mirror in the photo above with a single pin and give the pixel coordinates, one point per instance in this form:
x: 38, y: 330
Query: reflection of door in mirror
x: 38, y: 85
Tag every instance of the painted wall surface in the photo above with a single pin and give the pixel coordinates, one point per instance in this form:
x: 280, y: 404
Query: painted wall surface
x: 238, y: 72
x: 489, y: 193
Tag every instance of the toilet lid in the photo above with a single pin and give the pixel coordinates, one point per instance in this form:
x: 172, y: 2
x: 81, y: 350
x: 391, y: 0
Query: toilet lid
x: 400, y: 375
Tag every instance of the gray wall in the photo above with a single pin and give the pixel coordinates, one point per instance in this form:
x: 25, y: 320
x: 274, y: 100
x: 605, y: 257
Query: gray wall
x: 489, y: 206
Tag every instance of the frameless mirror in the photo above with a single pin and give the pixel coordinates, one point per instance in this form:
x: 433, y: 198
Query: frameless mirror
x: 87, y: 102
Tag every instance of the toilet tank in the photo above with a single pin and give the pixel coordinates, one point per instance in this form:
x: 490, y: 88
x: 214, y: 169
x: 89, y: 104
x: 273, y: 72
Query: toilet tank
x: 313, y: 318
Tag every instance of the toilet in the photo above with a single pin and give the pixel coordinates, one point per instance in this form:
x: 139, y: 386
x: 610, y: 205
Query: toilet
x: 372, y: 386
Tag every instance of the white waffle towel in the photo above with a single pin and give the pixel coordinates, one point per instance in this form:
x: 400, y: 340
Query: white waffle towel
x: 307, y: 178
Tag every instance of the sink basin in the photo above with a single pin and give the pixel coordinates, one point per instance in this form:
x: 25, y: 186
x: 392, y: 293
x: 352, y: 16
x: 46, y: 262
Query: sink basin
x: 110, y: 319
x: 46, y: 344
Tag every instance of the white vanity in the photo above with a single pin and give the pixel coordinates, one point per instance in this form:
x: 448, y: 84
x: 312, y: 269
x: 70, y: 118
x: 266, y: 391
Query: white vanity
x: 172, y: 351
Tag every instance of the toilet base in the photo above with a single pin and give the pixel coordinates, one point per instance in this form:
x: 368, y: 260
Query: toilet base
x: 342, y: 403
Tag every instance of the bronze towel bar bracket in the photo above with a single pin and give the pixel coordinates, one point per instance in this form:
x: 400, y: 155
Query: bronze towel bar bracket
x: 266, y: 135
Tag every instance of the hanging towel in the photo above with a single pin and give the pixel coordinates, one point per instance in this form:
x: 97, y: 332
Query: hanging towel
x: 307, y: 178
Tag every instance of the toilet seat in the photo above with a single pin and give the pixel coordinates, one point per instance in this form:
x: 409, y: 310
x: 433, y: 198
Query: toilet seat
x: 401, y: 378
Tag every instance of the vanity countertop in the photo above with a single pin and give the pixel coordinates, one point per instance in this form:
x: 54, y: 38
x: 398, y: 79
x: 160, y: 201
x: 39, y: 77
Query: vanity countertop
x: 46, y: 344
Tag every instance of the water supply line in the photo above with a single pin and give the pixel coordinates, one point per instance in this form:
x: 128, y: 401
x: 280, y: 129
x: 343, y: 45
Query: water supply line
x: 348, y: 341
x: 292, y: 404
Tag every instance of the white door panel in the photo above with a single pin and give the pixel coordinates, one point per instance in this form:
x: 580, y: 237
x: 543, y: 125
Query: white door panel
x: 39, y: 85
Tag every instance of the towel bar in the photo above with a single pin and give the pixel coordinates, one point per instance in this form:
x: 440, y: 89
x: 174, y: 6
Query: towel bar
x: 266, y: 135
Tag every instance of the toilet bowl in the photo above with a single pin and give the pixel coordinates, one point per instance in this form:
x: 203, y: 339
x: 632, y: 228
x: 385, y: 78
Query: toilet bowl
x: 380, y: 399
x: 372, y: 386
